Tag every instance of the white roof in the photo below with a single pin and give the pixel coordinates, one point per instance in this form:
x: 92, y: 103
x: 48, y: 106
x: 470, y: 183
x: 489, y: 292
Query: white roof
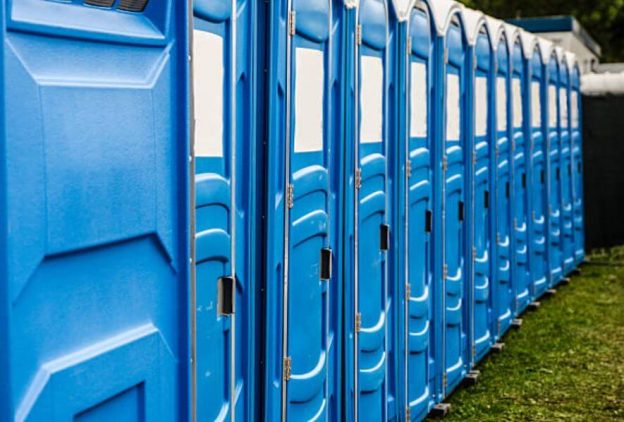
x: 596, y: 84
x: 496, y: 29
x: 402, y: 8
x: 572, y: 61
x: 512, y: 32
x: 546, y: 47
x: 561, y: 56
x: 473, y: 21
x: 350, y: 4
x: 528, y: 43
x: 441, y: 12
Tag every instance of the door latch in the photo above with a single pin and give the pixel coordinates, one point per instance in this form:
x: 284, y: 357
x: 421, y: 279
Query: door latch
x: 226, y: 288
x: 326, y: 264
x: 384, y: 240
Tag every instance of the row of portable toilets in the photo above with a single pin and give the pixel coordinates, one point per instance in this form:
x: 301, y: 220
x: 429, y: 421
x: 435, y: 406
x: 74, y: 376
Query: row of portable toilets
x: 421, y: 185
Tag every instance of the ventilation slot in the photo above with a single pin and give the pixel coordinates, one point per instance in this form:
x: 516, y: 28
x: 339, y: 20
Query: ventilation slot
x: 132, y: 5
x: 100, y: 3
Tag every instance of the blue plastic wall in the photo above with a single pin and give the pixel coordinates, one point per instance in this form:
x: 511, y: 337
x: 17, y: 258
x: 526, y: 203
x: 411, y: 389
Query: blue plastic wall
x: 538, y: 169
x: 303, y: 315
x: 576, y: 130
x: 95, y: 276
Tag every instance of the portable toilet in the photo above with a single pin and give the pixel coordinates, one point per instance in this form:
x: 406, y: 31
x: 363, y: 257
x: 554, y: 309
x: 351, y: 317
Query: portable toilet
x: 368, y: 301
x: 479, y: 77
x: 520, y: 148
x: 225, y: 210
x: 449, y: 226
x: 303, y: 313
x: 554, y: 169
x: 96, y: 179
x: 501, y: 181
x: 577, y: 158
x: 567, y: 217
x: 417, y: 316
x: 538, y: 51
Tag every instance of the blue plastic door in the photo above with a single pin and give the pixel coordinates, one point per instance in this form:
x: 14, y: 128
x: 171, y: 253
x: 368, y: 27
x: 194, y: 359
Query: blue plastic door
x: 481, y: 198
x: 454, y: 228
x: 372, y: 230
x: 567, y: 222
x: 504, y: 294
x: 539, y: 199
x: 554, y: 173
x: 224, y: 169
x: 520, y: 182
x: 94, y: 277
x: 419, y: 217
x: 577, y: 165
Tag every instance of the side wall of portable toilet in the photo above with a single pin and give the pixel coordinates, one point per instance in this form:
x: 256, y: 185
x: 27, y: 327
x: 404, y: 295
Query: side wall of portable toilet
x: 501, y: 176
x: 554, y: 169
x: 226, y: 211
x: 520, y: 148
x: 567, y: 216
x: 96, y: 181
x: 449, y: 195
x: 367, y: 301
x: 576, y: 131
x: 417, y: 248
x: 479, y: 135
x: 538, y: 169
x: 303, y: 316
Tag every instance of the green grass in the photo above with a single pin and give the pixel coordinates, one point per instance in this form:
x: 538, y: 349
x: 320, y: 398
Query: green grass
x: 567, y: 360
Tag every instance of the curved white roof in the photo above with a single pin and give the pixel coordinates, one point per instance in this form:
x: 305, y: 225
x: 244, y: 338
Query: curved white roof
x: 496, y: 30
x: 441, y: 13
x: 402, y: 8
x: 512, y: 33
x: 571, y: 58
x: 546, y: 47
x: 561, y: 56
x: 473, y: 21
x: 528, y: 43
x: 350, y: 4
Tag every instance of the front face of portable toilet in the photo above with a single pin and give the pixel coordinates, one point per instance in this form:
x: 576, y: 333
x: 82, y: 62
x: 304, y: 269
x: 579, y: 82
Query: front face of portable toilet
x: 418, y: 339
x: 577, y: 164
x: 454, y: 228
x: 481, y: 196
x: 224, y: 217
x: 539, y: 189
x: 370, y: 211
x: 94, y: 284
x: 554, y: 171
x: 567, y: 218
x: 502, y: 185
x: 521, y: 273
x: 302, y: 292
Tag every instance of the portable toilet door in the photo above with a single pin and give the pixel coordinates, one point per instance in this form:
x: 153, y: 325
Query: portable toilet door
x: 369, y: 305
x: 418, y: 247
x: 479, y: 132
x: 577, y: 161
x: 94, y: 284
x: 538, y: 170
x: 520, y: 192
x: 567, y: 217
x: 301, y: 288
x: 554, y: 170
x: 502, y: 182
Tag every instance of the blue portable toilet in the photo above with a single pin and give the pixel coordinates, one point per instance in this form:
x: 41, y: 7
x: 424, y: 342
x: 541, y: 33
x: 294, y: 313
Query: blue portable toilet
x: 576, y: 132
x: 479, y: 74
x: 449, y: 225
x: 225, y: 210
x: 303, y: 315
x: 94, y: 284
x: 554, y: 168
x: 538, y: 51
x: 501, y: 180
x: 416, y: 202
x: 567, y: 217
x: 520, y: 148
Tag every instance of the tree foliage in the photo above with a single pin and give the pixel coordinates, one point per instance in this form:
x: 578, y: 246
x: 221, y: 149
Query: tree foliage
x: 603, y: 19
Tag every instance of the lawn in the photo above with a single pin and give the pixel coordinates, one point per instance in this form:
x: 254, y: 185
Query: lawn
x: 566, y: 362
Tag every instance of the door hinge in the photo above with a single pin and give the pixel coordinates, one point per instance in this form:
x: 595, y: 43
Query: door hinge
x: 358, y: 34
x: 408, y: 291
x: 408, y: 416
x: 445, y: 380
x: 358, y: 322
x: 445, y: 272
x: 446, y: 55
x: 515, y: 224
x: 474, y: 158
x: 474, y: 351
x: 444, y: 163
x: 358, y: 178
x: 290, y: 196
x: 408, y: 168
x: 287, y: 368
x: 292, y: 22
x: 474, y: 254
x: 409, y: 46
x: 498, y: 238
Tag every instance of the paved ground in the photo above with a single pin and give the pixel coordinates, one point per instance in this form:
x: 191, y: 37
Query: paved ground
x: 567, y: 360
